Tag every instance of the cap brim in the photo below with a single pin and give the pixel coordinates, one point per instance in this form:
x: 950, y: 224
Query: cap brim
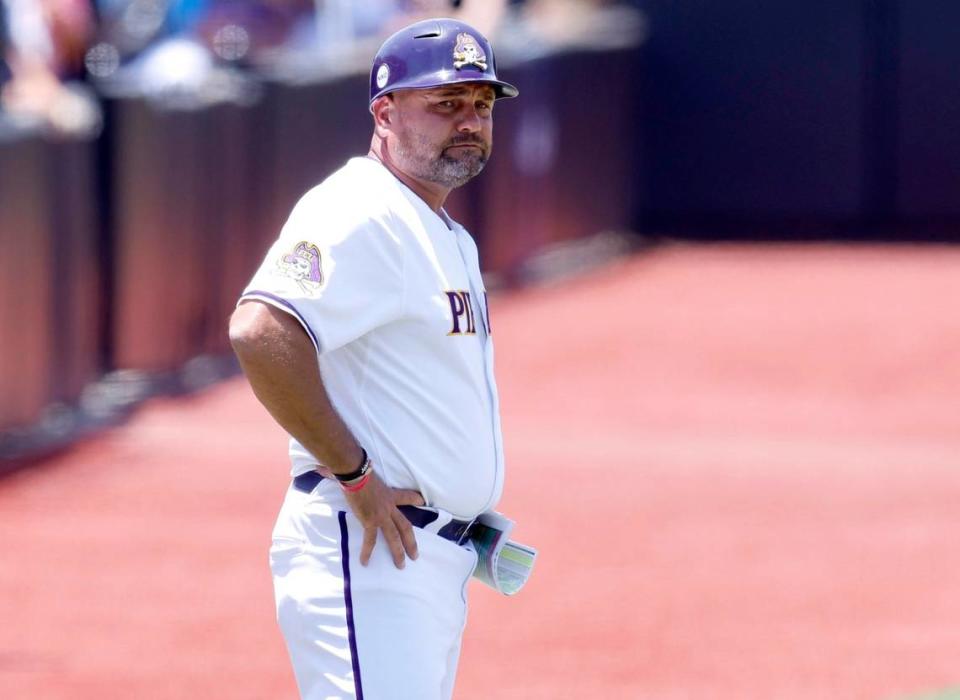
x: 501, y: 88
x: 505, y: 89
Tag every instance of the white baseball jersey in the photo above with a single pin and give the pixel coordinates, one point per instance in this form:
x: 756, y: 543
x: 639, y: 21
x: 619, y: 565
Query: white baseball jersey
x: 391, y: 295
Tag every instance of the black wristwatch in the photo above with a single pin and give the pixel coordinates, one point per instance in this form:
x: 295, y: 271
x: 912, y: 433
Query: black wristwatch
x: 357, y: 473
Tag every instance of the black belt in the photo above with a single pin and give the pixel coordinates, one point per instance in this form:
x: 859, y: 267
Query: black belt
x: 457, y: 531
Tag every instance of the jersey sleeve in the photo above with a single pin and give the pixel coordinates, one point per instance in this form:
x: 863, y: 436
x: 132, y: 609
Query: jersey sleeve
x: 339, y: 275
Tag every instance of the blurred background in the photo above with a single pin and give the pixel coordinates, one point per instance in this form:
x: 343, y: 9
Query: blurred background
x: 150, y: 149
x: 746, y: 210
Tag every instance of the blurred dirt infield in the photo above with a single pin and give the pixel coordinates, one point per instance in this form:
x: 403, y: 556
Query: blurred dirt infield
x: 741, y: 466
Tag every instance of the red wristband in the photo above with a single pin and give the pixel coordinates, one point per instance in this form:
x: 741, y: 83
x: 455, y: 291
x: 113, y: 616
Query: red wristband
x: 358, y: 484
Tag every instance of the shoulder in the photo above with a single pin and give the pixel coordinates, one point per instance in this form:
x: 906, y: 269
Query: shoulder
x: 356, y: 200
x: 354, y: 191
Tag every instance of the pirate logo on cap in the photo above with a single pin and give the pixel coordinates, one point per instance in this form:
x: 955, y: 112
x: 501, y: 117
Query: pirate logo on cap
x: 467, y: 52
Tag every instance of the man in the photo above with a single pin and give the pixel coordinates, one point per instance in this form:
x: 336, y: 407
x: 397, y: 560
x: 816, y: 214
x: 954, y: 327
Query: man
x: 366, y: 335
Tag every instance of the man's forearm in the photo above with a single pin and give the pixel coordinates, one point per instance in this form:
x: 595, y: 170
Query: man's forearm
x: 281, y: 366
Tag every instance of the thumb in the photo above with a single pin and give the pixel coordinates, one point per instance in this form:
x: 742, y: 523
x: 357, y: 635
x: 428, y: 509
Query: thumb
x: 407, y: 497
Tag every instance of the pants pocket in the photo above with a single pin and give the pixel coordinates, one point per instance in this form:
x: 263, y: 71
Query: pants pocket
x: 283, y: 550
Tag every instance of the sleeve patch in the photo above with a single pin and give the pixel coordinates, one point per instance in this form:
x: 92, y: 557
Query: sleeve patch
x: 303, y: 266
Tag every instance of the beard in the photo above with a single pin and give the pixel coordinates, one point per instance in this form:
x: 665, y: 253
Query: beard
x: 423, y: 159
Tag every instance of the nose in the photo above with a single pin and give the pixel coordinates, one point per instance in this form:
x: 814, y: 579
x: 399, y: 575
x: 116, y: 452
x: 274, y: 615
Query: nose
x: 470, y: 121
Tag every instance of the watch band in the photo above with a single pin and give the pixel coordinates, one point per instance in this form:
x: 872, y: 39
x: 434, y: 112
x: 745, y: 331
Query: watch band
x: 357, y: 473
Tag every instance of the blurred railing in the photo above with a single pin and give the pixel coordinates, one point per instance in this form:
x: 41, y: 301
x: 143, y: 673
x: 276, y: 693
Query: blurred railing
x: 51, y: 268
x: 123, y: 256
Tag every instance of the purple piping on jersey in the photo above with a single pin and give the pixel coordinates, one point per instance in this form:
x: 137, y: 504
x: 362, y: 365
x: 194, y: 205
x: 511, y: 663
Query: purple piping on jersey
x: 348, y: 599
x: 289, y: 307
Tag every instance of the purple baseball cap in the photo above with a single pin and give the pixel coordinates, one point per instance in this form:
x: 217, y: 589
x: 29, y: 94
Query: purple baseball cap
x: 432, y: 53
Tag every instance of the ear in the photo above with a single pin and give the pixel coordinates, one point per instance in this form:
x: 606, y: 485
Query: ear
x: 384, y: 110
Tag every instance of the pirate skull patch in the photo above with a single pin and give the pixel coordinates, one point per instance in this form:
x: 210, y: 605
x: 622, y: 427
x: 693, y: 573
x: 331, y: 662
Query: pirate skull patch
x: 468, y: 52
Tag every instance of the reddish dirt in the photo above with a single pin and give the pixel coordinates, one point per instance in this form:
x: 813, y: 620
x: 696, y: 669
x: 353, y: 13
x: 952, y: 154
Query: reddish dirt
x: 741, y: 466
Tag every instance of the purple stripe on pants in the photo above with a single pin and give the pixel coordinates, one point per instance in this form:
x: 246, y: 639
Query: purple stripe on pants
x: 348, y: 599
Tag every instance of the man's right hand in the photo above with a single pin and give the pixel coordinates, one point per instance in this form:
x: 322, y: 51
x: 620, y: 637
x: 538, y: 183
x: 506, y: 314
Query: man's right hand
x: 375, y: 506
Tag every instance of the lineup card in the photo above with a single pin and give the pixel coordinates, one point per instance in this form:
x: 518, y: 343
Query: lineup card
x: 503, y: 565
x: 514, y: 566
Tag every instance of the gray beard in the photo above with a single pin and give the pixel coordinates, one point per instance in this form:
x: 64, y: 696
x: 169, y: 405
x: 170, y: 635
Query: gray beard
x: 453, y: 172
x: 417, y: 157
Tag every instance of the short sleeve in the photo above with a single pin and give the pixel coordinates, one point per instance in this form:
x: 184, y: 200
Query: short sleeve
x: 338, y: 273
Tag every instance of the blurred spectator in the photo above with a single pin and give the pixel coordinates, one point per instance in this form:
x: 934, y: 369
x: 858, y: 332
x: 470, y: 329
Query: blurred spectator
x: 184, y: 53
x: 531, y: 27
x: 485, y: 15
x: 133, y: 26
x: 236, y: 30
x: 43, y: 43
x: 55, y: 33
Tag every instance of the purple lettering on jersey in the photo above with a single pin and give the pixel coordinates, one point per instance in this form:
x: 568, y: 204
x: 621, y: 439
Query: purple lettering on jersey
x: 457, y: 309
x: 461, y: 306
x: 468, y: 305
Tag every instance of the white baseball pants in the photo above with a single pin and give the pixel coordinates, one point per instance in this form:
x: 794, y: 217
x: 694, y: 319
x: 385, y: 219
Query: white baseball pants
x: 370, y: 632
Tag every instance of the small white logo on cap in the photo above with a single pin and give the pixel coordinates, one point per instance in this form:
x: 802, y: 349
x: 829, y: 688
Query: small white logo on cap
x: 383, y: 75
x: 468, y: 52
